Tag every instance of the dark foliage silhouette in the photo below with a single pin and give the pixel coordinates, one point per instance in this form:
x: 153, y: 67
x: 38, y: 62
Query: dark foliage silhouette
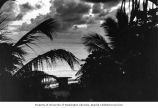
x: 12, y: 57
x: 121, y: 69
x: 127, y: 71
x: 48, y: 27
x: 49, y: 57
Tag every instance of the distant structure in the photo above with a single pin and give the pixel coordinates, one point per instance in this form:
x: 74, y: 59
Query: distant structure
x: 37, y: 76
x: 76, y: 27
x: 63, y: 81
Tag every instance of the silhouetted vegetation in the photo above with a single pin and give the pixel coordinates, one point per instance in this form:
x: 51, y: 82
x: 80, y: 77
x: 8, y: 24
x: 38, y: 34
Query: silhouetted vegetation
x: 126, y: 68
x: 121, y: 69
x: 13, y: 86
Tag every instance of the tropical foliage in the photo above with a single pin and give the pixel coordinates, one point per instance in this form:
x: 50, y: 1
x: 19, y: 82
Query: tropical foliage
x: 12, y: 57
x: 125, y: 67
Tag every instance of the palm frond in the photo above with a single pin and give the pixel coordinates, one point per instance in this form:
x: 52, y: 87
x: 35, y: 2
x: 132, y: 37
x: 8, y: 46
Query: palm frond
x: 3, y: 28
x: 3, y: 2
x: 81, y: 71
x: 48, y: 27
x: 95, y: 42
x: 122, y: 19
x: 50, y: 58
x: 122, y: 33
x: 3, y: 21
x: 110, y: 27
x: 114, y: 32
x: 10, y: 57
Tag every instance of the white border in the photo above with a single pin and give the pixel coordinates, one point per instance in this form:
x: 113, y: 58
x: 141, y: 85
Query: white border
x: 79, y: 104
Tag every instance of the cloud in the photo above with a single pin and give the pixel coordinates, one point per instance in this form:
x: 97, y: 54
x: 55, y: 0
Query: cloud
x: 101, y: 1
x: 70, y: 12
x: 30, y: 9
x: 38, y: 6
x: 102, y: 8
x: 67, y: 12
x: 107, y: 4
x: 24, y: 9
x: 34, y: 22
x: 92, y: 21
x: 111, y: 4
x: 38, y: 19
x: 96, y: 8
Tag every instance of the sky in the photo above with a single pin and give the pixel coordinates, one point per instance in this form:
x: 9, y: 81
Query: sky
x: 68, y: 12
x: 23, y: 15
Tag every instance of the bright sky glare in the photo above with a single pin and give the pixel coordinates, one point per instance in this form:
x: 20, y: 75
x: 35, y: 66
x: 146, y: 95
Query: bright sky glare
x: 45, y: 8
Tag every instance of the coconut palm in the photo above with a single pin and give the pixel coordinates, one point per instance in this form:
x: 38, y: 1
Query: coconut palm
x: 49, y: 57
x: 104, y: 63
x: 122, y: 32
x: 48, y: 28
x: 12, y: 54
x: 10, y: 57
x: 95, y: 42
x: 120, y: 40
x: 28, y: 39
x: 129, y: 55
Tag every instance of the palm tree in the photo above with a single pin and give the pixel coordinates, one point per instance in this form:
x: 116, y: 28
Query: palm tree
x: 122, y: 32
x: 12, y: 54
x: 120, y: 40
x: 10, y: 57
x: 49, y: 57
x: 95, y: 42
x: 104, y: 63
x: 28, y: 39
x: 128, y: 53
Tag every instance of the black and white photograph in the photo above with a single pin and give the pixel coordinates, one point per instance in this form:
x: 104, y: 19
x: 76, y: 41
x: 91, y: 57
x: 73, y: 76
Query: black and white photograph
x: 78, y: 51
